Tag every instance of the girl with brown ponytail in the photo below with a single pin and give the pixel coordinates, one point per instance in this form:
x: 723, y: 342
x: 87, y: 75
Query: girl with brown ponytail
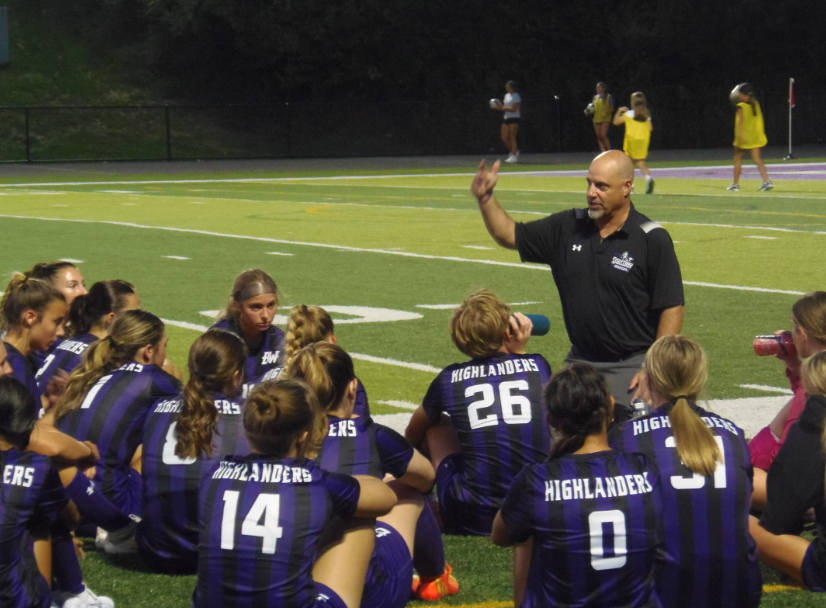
x: 249, y: 314
x: 90, y: 316
x: 107, y: 398
x: 183, y: 439
x: 354, y: 445
x: 308, y: 325
x: 32, y: 312
x: 557, y: 512
x: 796, y: 484
x: 706, y: 470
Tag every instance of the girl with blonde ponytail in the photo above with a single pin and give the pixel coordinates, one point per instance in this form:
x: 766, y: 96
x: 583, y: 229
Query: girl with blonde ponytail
x: 795, y: 484
x: 308, y: 325
x: 706, y: 474
x: 354, y: 445
x: 107, y: 398
x: 183, y: 439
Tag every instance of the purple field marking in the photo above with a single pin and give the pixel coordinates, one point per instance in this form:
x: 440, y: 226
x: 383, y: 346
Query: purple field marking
x: 813, y: 171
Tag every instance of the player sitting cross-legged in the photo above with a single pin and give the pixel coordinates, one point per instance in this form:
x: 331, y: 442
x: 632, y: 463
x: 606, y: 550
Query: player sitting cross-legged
x: 482, y: 421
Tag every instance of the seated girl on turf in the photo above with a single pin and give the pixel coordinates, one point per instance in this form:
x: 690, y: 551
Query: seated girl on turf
x: 308, y: 325
x: 495, y: 423
x: 354, y: 445
x: 108, y: 397
x: 183, y: 438
x: 262, y: 515
x: 796, y: 484
x: 249, y: 315
x: 809, y: 335
x: 707, y: 558
x: 591, y: 512
x: 35, y: 542
x: 89, y: 318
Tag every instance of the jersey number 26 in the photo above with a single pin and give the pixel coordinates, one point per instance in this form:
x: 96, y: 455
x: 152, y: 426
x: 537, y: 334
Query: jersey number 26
x: 516, y: 408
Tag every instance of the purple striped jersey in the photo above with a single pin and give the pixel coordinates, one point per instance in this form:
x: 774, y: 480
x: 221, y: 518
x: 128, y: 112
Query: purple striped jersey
x: 708, y: 557
x: 67, y: 355
x: 23, y: 369
x: 169, y: 500
x: 264, y: 363
x: 357, y: 446
x: 112, y: 416
x: 593, y: 519
x: 30, y: 494
x: 261, y: 518
x: 495, y: 404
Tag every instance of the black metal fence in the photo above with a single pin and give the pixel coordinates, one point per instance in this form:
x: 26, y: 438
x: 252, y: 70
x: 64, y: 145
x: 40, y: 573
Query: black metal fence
x: 305, y: 130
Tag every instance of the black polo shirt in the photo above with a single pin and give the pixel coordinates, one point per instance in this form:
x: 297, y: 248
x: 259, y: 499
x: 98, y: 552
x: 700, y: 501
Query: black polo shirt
x: 612, y: 291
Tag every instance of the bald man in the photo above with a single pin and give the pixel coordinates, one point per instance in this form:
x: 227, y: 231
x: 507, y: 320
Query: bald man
x: 616, y: 271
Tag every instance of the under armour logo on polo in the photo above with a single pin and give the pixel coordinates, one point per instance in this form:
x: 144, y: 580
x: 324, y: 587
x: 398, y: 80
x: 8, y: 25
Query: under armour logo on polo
x: 577, y: 248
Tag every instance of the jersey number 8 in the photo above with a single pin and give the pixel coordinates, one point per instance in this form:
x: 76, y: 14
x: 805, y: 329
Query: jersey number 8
x: 509, y: 403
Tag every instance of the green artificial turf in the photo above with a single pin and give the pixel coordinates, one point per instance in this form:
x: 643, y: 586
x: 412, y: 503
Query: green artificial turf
x: 399, y: 243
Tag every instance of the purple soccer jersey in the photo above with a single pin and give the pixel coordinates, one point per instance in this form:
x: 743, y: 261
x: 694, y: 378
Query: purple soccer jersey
x: 266, y: 362
x: 495, y: 404
x: 168, y: 529
x: 112, y: 416
x: 23, y: 369
x: 708, y: 557
x: 261, y: 518
x: 30, y: 494
x: 66, y: 355
x: 357, y: 446
x: 593, y: 519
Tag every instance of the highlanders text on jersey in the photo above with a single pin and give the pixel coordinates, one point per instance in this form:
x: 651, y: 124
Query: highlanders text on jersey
x: 495, y: 405
x: 708, y: 557
x: 593, y: 519
x: 168, y: 529
x: 261, y: 518
x: 30, y: 494
x: 112, y: 416
x: 67, y: 355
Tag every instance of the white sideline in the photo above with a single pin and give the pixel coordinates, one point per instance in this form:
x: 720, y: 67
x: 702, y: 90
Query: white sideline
x: 359, y: 249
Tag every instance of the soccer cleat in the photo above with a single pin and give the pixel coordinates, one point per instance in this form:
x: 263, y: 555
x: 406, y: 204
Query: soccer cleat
x: 121, y: 541
x: 649, y: 189
x: 734, y: 187
x: 766, y: 186
x: 511, y: 158
x: 87, y: 599
x: 432, y: 589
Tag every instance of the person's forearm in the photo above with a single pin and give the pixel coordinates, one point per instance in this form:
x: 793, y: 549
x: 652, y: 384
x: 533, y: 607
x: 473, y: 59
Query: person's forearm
x: 499, y: 224
x: 48, y: 441
x: 671, y: 321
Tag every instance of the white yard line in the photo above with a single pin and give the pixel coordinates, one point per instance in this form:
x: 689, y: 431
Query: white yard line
x: 361, y: 249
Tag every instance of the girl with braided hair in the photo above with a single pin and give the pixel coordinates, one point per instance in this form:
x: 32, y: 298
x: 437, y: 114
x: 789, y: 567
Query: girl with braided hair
x: 183, y: 438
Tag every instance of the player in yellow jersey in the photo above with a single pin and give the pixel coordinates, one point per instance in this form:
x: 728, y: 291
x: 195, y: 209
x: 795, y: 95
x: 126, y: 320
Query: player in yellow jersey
x: 638, y: 129
x: 602, y: 107
x: 749, y: 134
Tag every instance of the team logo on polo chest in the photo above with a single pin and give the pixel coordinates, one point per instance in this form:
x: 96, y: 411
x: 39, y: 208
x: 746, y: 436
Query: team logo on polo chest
x: 624, y: 262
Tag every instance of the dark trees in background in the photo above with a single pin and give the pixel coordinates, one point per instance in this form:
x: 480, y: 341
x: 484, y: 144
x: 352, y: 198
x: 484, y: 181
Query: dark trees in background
x: 451, y: 49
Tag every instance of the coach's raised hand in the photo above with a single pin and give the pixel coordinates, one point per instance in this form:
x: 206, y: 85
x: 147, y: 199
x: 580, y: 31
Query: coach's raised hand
x: 499, y: 224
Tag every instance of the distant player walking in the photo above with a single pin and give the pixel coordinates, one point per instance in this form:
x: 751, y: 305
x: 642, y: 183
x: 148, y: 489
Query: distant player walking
x: 638, y: 129
x: 749, y: 134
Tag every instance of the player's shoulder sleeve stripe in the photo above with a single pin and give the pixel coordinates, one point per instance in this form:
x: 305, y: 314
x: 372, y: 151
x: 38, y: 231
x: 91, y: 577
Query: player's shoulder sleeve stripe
x: 649, y: 226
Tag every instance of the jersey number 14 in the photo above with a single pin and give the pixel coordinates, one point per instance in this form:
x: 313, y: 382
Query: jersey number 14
x: 267, y: 506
